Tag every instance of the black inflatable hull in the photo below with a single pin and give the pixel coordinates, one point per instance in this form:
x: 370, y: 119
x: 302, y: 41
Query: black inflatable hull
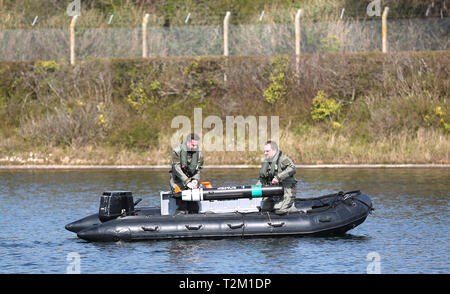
x: 330, y: 214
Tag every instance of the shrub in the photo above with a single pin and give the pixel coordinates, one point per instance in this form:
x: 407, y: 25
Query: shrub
x: 46, y: 66
x: 324, y: 107
x: 437, y: 118
x: 330, y: 44
x: 277, y: 90
x: 140, y: 97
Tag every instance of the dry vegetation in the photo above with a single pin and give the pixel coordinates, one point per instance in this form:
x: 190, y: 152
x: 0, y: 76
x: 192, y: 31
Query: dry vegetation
x: 345, y: 104
x: 340, y: 108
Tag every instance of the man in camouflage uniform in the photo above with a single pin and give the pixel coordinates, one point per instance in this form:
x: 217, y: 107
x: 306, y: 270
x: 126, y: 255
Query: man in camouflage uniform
x: 187, y: 164
x: 278, y: 169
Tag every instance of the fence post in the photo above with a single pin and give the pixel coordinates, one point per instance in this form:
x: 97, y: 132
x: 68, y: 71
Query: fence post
x: 72, y: 39
x: 110, y: 18
x: 226, y: 23
x: 342, y: 13
x: 261, y: 16
x: 384, y: 30
x: 34, y: 20
x: 297, y: 40
x: 144, y: 35
x: 226, y: 52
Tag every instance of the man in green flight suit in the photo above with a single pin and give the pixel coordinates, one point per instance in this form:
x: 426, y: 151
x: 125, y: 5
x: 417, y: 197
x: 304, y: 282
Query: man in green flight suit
x: 187, y: 164
x: 277, y: 168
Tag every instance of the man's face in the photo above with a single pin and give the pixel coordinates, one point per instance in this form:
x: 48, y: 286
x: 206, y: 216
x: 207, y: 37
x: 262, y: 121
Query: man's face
x: 268, y: 151
x: 192, y: 145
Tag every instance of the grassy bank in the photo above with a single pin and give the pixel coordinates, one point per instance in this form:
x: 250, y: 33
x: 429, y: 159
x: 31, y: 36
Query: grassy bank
x: 337, y: 108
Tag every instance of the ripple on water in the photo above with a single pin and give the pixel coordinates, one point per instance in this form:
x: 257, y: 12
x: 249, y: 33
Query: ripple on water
x: 408, y: 229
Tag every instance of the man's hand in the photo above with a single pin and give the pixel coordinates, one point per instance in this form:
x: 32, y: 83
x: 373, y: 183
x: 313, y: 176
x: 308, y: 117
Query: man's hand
x: 192, y: 184
x: 275, y: 181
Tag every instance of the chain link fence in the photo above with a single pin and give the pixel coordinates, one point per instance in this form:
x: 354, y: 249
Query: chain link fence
x: 253, y: 39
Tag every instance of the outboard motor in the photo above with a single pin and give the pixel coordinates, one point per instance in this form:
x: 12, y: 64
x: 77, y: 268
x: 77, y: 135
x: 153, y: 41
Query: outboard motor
x: 114, y: 204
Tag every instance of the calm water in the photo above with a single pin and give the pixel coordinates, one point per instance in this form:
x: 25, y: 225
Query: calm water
x: 409, y: 230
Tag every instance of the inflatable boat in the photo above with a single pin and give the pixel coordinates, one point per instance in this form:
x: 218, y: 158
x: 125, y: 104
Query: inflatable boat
x: 222, y: 212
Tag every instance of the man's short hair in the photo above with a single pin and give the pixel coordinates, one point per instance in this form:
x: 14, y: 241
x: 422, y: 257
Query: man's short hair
x: 272, y: 144
x: 192, y: 136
